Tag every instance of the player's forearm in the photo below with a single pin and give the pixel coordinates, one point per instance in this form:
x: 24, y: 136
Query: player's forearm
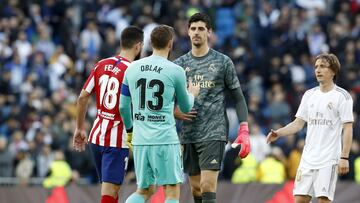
x: 186, y: 102
x: 241, y: 107
x: 82, y: 104
x: 291, y: 128
x: 347, y: 139
x: 125, y: 111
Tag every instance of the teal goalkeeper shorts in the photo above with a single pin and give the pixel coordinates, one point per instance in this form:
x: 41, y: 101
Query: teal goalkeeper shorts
x: 158, y: 165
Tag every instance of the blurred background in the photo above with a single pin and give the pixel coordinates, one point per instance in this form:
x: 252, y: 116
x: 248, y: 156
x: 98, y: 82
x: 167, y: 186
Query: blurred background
x: 48, y: 48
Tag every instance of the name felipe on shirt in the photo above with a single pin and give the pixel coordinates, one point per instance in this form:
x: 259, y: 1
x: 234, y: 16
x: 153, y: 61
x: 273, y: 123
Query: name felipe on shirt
x: 113, y: 69
x: 151, y: 68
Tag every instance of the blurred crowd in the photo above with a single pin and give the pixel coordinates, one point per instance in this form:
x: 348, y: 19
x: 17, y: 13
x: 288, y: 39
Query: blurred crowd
x: 48, y: 48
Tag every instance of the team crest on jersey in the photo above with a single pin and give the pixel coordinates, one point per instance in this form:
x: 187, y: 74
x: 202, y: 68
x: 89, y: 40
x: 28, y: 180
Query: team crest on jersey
x: 187, y: 69
x: 330, y: 106
x: 212, y: 67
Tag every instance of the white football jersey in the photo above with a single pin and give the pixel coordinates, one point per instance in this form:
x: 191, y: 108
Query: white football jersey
x: 325, y: 114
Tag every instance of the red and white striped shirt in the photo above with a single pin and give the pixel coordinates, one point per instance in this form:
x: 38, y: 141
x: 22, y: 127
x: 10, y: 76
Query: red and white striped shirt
x: 105, y: 80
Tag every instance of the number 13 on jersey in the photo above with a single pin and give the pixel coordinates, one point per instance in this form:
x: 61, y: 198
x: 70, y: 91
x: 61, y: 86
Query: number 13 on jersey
x: 145, y: 86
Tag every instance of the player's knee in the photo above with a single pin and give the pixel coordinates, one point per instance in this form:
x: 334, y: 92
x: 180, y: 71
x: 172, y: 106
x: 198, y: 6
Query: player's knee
x: 110, y: 189
x: 196, y: 189
x: 323, y: 200
x: 151, y: 190
x: 172, y: 191
x: 207, y: 186
x: 146, y: 193
x: 302, y: 199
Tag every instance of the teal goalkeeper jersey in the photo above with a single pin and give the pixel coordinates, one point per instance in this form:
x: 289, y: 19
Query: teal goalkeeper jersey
x: 151, y: 84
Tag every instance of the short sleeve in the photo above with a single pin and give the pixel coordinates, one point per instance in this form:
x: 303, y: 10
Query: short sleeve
x: 231, y: 79
x: 302, y: 111
x: 346, y: 110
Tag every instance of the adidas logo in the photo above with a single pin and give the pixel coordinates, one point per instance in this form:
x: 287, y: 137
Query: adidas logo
x: 214, y: 161
x: 324, y: 189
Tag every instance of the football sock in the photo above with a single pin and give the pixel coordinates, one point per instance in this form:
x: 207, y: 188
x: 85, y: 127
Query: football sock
x: 209, y: 197
x: 107, y: 199
x: 171, y: 201
x: 197, y: 199
x: 135, y: 198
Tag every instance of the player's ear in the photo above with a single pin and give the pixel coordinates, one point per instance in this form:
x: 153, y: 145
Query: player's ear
x: 209, y: 32
x: 139, y: 46
x: 170, y: 44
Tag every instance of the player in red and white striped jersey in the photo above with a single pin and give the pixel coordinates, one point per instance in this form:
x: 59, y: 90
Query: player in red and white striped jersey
x: 104, y: 81
x: 108, y: 136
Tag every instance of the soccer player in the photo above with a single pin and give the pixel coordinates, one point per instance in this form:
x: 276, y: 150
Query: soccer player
x: 151, y: 85
x: 205, y: 130
x: 108, y: 136
x: 328, y: 111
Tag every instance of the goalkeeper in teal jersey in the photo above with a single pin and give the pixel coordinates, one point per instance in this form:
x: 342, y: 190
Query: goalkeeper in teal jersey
x: 151, y: 85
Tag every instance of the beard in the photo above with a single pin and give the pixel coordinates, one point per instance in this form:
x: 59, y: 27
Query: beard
x: 197, y: 44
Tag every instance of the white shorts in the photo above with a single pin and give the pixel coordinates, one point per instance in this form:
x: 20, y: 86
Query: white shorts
x: 316, y: 182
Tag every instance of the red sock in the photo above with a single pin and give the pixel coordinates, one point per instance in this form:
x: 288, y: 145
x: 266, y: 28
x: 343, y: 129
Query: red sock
x: 108, y: 199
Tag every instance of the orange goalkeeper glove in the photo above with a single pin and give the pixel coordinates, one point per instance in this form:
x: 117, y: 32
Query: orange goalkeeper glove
x: 242, y: 140
x: 128, y: 141
x: 129, y: 138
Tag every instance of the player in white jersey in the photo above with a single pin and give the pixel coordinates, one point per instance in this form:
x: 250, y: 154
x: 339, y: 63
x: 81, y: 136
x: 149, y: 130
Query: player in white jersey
x: 328, y: 111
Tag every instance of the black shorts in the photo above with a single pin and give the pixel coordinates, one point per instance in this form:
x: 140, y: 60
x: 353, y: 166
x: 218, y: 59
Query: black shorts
x: 200, y: 156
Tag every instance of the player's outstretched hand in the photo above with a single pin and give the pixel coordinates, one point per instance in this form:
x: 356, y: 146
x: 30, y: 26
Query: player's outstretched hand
x: 193, y: 89
x: 184, y: 116
x: 272, y: 136
x: 79, y: 140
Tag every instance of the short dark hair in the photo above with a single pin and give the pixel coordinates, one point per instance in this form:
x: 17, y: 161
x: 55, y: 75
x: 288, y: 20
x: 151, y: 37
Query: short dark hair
x: 131, y: 36
x: 200, y: 17
x: 161, y: 35
x: 333, y: 61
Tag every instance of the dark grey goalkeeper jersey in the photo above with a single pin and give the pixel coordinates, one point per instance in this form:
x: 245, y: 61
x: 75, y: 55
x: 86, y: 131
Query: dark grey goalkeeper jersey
x: 215, y: 72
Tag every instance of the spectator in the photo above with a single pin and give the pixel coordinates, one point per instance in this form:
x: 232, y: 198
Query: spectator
x: 272, y: 169
x: 90, y: 39
x: 6, y: 159
x: 59, y: 173
x: 259, y: 147
x: 246, y: 172
x: 294, y: 159
x: 24, y: 168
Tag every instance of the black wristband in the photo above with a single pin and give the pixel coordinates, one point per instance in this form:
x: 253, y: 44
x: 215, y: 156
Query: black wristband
x: 346, y: 158
x: 129, y: 130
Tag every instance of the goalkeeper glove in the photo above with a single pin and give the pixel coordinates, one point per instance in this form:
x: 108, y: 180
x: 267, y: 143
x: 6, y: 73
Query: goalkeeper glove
x: 242, y: 140
x: 129, y: 139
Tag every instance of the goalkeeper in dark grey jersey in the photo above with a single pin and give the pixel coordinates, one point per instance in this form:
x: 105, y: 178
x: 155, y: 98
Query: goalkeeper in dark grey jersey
x: 205, y: 129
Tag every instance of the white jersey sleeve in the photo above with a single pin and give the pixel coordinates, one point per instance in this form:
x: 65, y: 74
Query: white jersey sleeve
x: 346, y: 110
x: 302, y: 111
